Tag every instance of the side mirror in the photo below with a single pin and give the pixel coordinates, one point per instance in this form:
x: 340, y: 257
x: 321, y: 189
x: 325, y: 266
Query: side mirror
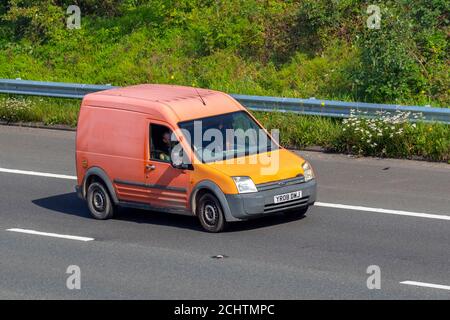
x: 178, y: 163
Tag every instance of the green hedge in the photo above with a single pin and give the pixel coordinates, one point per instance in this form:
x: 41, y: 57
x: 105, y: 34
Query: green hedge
x: 319, y: 48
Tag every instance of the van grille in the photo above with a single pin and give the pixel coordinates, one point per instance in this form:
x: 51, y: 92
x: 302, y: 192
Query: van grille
x: 280, y: 183
x: 275, y: 207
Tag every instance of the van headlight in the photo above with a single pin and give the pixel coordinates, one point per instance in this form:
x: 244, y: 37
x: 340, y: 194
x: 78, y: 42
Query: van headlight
x: 308, y: 172
x: 244, y: 184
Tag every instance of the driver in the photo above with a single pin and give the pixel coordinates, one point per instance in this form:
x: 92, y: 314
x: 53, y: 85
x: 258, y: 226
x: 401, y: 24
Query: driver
x: 165, y: 147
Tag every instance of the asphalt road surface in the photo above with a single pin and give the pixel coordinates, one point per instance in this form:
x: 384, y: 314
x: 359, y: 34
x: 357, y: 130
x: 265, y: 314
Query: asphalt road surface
x: 148, y: 255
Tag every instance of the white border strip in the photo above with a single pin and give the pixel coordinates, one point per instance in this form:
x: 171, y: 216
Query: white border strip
x: 40, y: 174
x: 54, y: 235
x: 379, y: 210
x: 426, y: 285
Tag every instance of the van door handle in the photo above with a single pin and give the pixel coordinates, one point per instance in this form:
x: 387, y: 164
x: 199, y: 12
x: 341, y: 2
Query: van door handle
x: 150, y: 167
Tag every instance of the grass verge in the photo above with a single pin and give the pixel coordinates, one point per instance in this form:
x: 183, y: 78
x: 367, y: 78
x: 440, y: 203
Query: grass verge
x: 49, y: 111
x: 390, y: 135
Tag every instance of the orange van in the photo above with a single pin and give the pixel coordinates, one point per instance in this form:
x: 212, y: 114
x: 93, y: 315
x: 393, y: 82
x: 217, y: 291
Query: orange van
x: 184, y: 150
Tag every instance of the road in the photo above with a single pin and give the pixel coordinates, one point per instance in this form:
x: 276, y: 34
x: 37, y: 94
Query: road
x: 148, y: 255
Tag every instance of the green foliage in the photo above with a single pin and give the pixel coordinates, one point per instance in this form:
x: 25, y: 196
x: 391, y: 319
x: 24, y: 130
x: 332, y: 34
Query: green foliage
x: 301, y: 131
x: 13, y: 110
x: 392, y: 135
x: 33, y: 19
x: 319, y: 48
x: 42, y: 110
x: 407, y: 56
x: 307, y: 48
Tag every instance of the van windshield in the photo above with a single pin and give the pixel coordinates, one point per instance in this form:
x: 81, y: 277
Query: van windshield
x: 226, y: 136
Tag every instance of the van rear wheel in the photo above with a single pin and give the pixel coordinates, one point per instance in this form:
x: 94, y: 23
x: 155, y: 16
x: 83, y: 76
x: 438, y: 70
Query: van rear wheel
x: 99, y: 201
x: 210, y: 213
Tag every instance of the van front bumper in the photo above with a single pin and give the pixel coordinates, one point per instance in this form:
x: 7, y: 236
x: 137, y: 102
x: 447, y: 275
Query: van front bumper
x: 261, y: 203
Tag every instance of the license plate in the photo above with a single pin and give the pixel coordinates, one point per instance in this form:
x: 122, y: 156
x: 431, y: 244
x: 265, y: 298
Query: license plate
x: 287, y: 197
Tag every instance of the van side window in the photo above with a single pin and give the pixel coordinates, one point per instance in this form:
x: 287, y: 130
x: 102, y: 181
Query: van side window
x: 160, y: 143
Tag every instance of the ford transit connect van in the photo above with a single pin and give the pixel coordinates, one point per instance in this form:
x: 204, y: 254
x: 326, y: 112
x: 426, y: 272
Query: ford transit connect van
x: 184, y: 150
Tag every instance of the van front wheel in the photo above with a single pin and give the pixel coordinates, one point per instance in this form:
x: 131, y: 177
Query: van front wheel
x: 210, y: 213
x: 99, y: 201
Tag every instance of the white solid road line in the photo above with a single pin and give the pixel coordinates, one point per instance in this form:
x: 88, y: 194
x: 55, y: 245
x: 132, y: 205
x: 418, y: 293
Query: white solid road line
x: 427, y: 285
x: 379, y: 210
x: 40, y: 174
x: 54, y: 235
x: 317, y: 204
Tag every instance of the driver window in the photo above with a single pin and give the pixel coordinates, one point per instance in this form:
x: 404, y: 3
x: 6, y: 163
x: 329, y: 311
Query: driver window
x: 160, y: 143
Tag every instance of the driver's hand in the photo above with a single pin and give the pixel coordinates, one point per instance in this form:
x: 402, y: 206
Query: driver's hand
x: 164, y: 157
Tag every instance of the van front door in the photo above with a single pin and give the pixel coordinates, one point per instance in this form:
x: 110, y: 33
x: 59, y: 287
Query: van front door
x: 168, y: 187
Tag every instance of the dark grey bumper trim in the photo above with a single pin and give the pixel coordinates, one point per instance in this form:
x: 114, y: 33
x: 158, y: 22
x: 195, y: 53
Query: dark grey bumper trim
x: 252, y: 205
x: 150, y: 186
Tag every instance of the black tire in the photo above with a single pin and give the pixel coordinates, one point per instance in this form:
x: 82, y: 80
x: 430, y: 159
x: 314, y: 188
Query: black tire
x: 210, y: 213
x: 297, y: 213
x: 99, y: 201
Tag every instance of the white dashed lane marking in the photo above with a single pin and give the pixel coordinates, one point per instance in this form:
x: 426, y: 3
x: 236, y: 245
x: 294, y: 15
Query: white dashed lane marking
x: 53, y: 235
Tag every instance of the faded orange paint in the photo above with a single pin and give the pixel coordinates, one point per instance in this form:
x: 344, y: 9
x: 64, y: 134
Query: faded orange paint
x: 113, y: 134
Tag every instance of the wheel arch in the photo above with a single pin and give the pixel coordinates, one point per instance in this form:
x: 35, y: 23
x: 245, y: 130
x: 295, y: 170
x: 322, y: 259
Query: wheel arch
x: 205, y: 186
x: 96, y: 172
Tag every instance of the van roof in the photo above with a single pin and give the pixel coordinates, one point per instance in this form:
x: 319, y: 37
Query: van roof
x: 184, y: 102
